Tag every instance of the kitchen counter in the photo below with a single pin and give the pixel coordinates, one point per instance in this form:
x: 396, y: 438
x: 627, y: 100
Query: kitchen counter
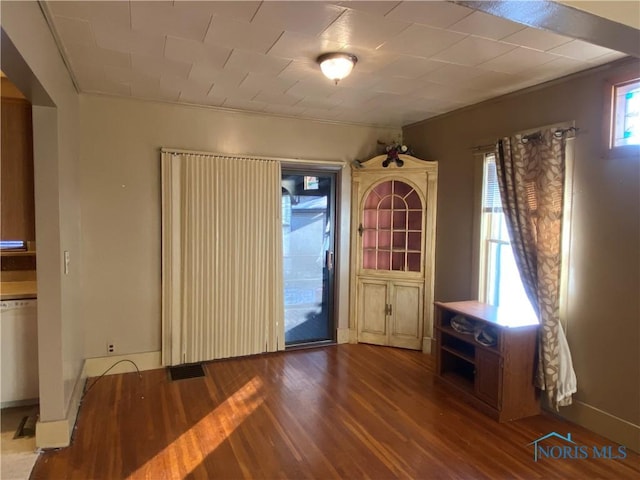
x: 18, y: 290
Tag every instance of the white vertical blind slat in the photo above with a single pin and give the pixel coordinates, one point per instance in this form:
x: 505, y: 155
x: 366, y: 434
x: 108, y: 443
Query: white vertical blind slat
x: 228, y: 245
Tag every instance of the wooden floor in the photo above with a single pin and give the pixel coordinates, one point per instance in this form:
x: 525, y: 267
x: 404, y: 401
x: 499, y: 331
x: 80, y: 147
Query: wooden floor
x: 348, y: 411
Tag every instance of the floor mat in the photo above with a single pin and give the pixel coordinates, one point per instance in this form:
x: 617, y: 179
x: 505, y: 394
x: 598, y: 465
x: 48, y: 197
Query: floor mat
x: 183, y: 372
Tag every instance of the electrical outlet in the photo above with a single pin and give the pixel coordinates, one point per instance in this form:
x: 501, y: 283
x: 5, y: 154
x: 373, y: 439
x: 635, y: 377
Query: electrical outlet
x: 111, y: 348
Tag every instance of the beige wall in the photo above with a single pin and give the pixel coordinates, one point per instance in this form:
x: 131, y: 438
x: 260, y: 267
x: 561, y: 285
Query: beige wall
x: 120, y: 198
x: 37, y: 68
x: 604, y: 300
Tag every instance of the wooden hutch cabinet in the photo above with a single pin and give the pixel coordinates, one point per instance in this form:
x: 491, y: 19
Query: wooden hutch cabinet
x: 496, y: 377
x: 392, y: 251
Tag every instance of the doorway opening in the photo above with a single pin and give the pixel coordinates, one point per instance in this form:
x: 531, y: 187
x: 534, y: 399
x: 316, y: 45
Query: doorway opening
x: 308, y: 238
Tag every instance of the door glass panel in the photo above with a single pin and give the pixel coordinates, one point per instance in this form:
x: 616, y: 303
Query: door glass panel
x: 308, y: 246
x: 392, y: 228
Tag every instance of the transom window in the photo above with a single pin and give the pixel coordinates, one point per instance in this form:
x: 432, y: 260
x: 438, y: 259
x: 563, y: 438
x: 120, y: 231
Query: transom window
x: 626, y: 114
x: 391, y: 228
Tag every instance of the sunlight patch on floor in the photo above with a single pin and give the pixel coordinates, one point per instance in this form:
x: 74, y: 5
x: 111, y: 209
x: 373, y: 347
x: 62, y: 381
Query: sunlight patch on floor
x: 206, y: 435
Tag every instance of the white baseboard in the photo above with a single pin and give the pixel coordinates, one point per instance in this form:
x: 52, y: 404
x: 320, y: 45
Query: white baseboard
x: 57, y: 433
x: 427, y: 345
x: 353, y: 335
x: 20, y: 403
x: 614, y: 428
x: 342, y: 335
x: 94, y: 367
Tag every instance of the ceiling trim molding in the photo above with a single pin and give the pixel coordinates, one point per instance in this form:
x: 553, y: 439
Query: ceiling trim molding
x: 46, y: 13
x: 563, y: 20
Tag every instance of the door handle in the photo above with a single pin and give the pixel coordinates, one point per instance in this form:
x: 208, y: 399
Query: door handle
x: 329, y: 260
x: 390, y: 309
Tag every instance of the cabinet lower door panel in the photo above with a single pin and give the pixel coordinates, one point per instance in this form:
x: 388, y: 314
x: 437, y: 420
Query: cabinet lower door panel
x: 372, y: 321
x: 406, y: 318
x: 488, y: 377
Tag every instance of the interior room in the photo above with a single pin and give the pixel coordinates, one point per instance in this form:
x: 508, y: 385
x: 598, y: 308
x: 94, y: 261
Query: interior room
x: 187, y: 190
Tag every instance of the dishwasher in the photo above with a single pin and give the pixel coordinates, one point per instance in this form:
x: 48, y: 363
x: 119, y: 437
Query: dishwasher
x: 19, y: 352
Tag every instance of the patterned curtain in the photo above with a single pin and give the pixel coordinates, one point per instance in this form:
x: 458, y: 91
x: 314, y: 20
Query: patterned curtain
x: 531, y: 174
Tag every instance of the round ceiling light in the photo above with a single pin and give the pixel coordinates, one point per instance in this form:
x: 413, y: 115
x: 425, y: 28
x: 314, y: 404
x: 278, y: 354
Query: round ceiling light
x: 337, y: 65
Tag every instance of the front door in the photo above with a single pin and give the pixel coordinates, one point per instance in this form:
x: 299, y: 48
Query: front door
x: 308, y: 224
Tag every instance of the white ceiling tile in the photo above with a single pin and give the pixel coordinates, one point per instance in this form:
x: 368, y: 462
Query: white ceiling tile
x: 363, y: 29
x: 239, y: 10
x: 94, y: 55
x: 243, y: 35
x: 375, y: 7
x: 485, y: 25
x: 422, y: 41
x: 297, y: 45
x: 123, y: 39
x: 412, y: 67
x: 226, y: 77
x: 74, y: 30
x: 278, y: 99
x: 607, y: 57
x: 436, y: 105
x: 193, y: 87
x: 127, y: 75
x: 153, y: 91
x: 579, y: 50
x: 240, y: 104
x: 370, y: 60
x: 86, y: 74
x: 448, y: 92
x: 488, y: 81
x: 557, y: 68
x: 301, y: 70
x: 303, y: 17
x: 398, y: 86
x: 314, y: 88
x: 518, y: 60
x: 266, y: 83
x: 106, y: 12
x: 157, y: 67
x: 351, y: 97
x: 433, y: 14
x: 473, y: 51
x: 261, y: 56
x: 107, y: 86
x: 224, y: 91
x: 167, y: 19
x: 318, y: 103
x: 256, y: 62
x: 538, y: 39
x: 191, y: 51
x: 452, y: 74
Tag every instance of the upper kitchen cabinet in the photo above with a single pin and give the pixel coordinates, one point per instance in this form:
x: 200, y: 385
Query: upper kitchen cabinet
x: 17, y: 194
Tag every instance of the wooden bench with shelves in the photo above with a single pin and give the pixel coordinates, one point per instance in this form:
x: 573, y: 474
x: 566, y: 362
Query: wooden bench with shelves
x: 495, y: 377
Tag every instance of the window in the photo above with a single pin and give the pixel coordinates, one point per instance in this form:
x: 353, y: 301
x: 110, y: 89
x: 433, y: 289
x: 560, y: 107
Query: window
x: 625, y: 125
x: 500, y: 282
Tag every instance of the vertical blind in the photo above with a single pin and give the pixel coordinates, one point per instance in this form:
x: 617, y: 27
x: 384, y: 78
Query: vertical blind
x: 222, y: 287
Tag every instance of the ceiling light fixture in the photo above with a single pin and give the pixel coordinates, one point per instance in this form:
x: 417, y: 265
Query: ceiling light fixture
x: 336, y: 65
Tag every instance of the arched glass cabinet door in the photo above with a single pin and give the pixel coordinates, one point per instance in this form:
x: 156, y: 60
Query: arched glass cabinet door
x: 391, y: 228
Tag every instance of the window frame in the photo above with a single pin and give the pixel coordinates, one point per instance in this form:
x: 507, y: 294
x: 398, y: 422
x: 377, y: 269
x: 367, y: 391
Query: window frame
x: 477, y: 285
x: 611, y: 151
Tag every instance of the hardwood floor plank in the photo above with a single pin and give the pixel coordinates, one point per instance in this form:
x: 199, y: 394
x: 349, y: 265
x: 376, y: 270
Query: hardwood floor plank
x: 348, y: 411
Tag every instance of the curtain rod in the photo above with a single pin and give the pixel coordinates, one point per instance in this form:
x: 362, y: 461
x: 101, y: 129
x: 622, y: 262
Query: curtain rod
x: 532, y: 136
x: 179, y: 151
